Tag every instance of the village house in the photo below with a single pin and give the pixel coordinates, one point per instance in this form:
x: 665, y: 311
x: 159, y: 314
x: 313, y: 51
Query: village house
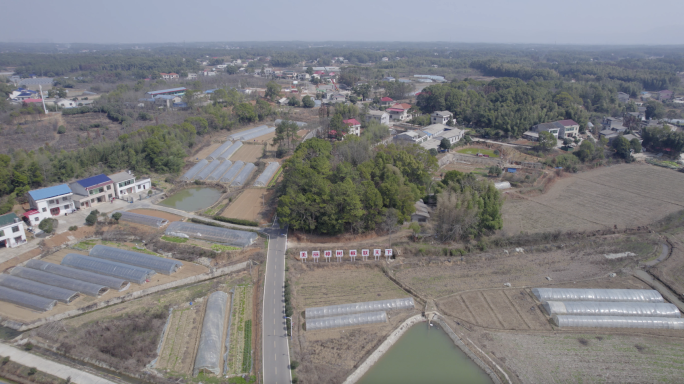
x: 11, y: 231
x: 379, y: 116
x: 559, y: 130
x: 169, y: 76
x: 49, y: 202
x: 386, y: 101
x: 125, y: 184
x: 92, y: 191
x: 399, y: 112
x: 571, y: 128
x: 415, y: 137
x: 66, y: 103
x: 192, y: 76
x: 440, y: 117
x: 623, y: 97
x: 435, y: 129
x: 454, y: 135
x: 354, y: 126
x: 167, y: 100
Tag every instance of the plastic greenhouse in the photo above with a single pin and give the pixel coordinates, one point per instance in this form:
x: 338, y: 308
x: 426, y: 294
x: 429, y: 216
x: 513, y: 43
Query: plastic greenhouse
x: 38, y: 289
x: 105, y: 267
x: 218, y: 151
x: 618, y: 322
x: 26, y: 299
x: 211, y: 339
x: 142, y: 219
x: 256, y: 134
x: 142, y: 260
x: 232, y: 172
x: 368, y: 306
x: 602, y: 308
x: 215, y: 234
x: 575, y: 294
x: 299, y: 123
x: 78, y: 274
x: 230, y: 151
x: 207, y: 170
x: 267, y: 174
x: 83, y: 287
x: 237, y: 135
x: 242, y: 177
x: 219, y: 171
x: 187, y: 176
x: 346, y: 321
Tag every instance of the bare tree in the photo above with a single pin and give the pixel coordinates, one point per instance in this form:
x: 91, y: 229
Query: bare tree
x: 390, y: 223
x: 452, y: 220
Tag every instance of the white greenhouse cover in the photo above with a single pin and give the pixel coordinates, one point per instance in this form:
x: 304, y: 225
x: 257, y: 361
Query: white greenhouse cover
x: 256, y: 134
x: 38, y: 289
x: 230, y: 151
x: 211, y: 339
x: 27, y: 300
x: 220, y: 170
x: 618, y: 322
x: 245, y: 174
x: 78, y: 274
x: 232, y: 172
x: 142, y: 219
x: 83, y: 287
x: 214, y: 234
x: 603, y: 308
x: 267, y: 174
x: 576, y: 294
x: 368, y: 306
x: 195, y: 168
x: 346, y: 321
x: 299, y: 123
x: 236, y: 136
x: 208, y: 170
x: 138, y: 259
x: 218, y: 151
x: 110, y: 268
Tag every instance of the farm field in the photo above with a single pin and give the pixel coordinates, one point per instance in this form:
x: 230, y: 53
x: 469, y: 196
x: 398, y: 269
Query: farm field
x: 475, y: 151
x: 330, y: 355
x: 445, y: 276
x: 248, y: 205
x: 240, y: 348
x: 205, y: 152
x: 626, y: 195
x: 182, y: 336
x: 248, y: 153
x: 589, y: 357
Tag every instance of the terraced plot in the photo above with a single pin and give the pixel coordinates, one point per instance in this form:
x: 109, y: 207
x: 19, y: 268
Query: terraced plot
x: 180, y: 343
x: 240, y: 349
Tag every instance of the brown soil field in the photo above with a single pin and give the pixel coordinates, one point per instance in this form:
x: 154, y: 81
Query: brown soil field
x: 626, y: 195
x: 588, y: 356
x: 329, y: 356
x: 160, y: 214
x: 26, y: 256
x: 248, y: 205
x: 25, y: 315
x: 80, y: 233
x: 181, y: 339
x: 437, y: 277
x: 248, y: 153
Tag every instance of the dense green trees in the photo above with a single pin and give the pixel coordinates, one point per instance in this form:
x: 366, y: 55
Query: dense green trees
x: 272, y: 90
x: 328, y: 194
x: 466, y: 208
x: 546, y: 141
x: 308, y: 102
x: 663, y: 139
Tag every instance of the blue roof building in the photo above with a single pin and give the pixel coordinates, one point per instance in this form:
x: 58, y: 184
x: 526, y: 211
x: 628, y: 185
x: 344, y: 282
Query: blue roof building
x: 49, y: 202
x: 92, y: 190
x: 50, y: 192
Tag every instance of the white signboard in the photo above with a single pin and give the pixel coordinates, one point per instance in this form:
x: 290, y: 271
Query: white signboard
x: 302, y: 255
x: 339, y: 253
x: 365, y: 253
x: 352, y: 253
x: 315, y: 255
x: 377, y: 253
x: 388, y: 252
x: 327, y: 254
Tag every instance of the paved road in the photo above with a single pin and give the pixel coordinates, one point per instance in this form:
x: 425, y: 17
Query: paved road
x: 664, y: 252
x: 275, y: 352
x: 48, y: 366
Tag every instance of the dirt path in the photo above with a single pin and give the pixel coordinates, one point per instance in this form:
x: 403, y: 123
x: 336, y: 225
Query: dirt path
x: 660, y: 287
x: 664, y: 253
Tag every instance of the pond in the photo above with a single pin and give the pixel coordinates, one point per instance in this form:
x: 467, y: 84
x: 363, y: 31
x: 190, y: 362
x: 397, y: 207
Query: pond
x: 425, y: 354
x: 193, y: 199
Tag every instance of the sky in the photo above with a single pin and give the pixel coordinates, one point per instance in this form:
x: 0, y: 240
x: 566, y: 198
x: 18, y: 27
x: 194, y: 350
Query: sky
x: 592, y: 22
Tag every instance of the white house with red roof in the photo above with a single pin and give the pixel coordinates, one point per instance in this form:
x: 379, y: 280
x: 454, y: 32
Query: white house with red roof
x: 386, y: 101
x: 354, y: 126
x: 399, y: 112
x: 571, y: 128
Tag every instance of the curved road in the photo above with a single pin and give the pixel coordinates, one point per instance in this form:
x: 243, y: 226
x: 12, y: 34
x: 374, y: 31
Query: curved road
x: 275, y: 351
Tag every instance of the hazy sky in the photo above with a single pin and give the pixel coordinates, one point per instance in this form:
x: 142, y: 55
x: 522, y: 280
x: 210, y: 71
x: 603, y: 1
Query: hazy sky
x: 490, y: 21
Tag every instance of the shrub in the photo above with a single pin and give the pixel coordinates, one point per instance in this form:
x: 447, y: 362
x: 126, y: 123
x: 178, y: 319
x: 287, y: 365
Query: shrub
x: 47, y: 225
x: 73, y: 228
x: 32, y: 371
x: 294, y: 364
x: 91, y: 219
x: 5, y: 360
x: 236, y: 221
x: 116, y: 216
x: 61, y: 129
x: 28, y: 346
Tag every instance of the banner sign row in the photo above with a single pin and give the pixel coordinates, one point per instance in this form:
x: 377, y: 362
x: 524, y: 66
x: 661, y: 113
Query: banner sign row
x: 339, y: 254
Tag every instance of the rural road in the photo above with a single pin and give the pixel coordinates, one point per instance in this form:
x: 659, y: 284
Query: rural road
x: 275, y: 352
x: 47, y: 366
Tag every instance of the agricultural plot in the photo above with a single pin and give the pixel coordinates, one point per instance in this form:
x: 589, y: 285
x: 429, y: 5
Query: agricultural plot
x: 579, y: 261
x: 512, y: 309
x: 248, y: 205
x: 180, y: 342
x: 240, y: 357
x: 331, y: 286
x: 626, y: 195
x: 249, y: 153
x: 589, y: 358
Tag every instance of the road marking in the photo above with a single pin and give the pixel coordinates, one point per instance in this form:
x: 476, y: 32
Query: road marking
x: 274, y: 340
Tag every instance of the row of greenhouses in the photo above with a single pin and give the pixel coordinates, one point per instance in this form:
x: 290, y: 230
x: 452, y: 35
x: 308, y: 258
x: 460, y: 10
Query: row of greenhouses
x: 612, y: 308
x: 208, y: 359
x: 221, y: 235
x: 367, y: 306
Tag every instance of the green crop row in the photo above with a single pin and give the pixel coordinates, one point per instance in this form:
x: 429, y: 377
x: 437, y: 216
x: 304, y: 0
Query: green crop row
x: 247, y: 348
